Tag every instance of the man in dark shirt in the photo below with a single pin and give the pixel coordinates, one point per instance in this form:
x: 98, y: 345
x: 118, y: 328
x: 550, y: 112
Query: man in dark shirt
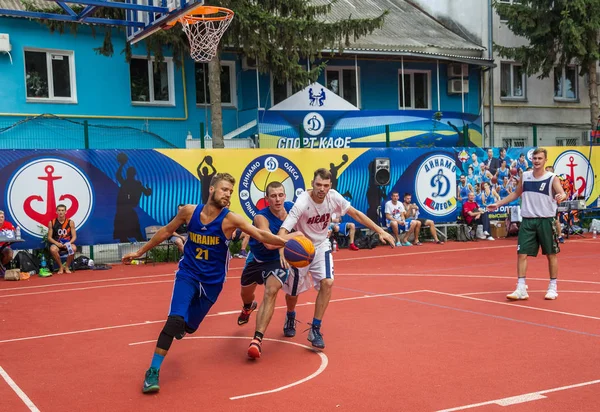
x: 180, y: 235
x: 491, y: 163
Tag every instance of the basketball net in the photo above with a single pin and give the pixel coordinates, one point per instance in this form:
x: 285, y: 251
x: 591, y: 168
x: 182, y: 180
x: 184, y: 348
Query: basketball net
x: 204, y: 28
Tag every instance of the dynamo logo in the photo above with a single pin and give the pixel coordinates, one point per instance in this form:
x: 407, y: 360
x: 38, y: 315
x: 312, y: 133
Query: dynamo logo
x: 262, y: 171
x: 313, y: 124
x: 435, y: 185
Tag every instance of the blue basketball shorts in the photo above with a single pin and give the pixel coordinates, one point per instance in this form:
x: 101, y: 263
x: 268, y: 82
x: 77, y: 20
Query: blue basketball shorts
x: 258, y: 272
x: 192, y: 300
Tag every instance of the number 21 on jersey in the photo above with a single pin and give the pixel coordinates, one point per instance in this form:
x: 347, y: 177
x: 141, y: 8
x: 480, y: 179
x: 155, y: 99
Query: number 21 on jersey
x: 201, y: 254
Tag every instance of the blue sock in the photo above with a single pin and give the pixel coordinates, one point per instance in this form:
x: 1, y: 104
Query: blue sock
x: 316, y: 323
x: 157, y: 360
x: 291, y: 314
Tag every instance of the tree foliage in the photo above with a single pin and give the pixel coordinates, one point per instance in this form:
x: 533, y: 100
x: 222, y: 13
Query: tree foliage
x: 280, y: 34
x: 559, y: 32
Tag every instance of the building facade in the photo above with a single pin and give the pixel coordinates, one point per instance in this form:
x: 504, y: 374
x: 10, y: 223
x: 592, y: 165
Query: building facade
x: 527, y: 110
x: 415, y: 62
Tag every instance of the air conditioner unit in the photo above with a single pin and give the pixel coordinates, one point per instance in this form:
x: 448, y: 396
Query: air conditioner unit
x: 248, y: 63
x: 454, y: 86
x: 458, y: 70
x: 5, y: 46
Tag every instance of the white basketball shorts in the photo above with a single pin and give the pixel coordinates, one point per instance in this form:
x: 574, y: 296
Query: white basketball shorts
x: 320, y: 268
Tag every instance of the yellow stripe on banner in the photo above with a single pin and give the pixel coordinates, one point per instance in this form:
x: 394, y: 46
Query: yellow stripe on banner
x: 452, y: 201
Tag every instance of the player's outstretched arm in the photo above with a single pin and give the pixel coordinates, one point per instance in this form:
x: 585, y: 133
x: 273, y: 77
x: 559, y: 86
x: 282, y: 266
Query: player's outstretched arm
x: 262, y: 223
x: 183, y: 216
x: 512, y: 196
x: 263, y: 236
x: 361, y: 218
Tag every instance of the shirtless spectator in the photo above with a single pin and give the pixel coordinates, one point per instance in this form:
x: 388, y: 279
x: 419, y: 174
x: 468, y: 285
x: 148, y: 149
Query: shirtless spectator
x: 412, y: 212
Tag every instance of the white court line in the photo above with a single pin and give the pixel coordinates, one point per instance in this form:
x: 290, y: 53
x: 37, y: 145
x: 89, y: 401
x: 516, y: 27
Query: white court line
x: 241, y: 267
x: 18, y: 391
x: 527, y: 397
x: 324, y: 362
x: 530, y: 291
x: 337, y: 260
x: 119, y: 285
x: 512, y: 304
x: 446, y: 275
x: 83, y: 282
x: 232, y: 312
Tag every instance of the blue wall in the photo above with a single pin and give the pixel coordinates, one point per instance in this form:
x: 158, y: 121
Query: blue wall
x: 103, y: 89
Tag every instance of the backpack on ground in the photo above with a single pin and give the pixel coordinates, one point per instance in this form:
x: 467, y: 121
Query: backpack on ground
x: 26, y: 262
x: 464, y: 233
x: 368, y: 241
x: 81, y: 263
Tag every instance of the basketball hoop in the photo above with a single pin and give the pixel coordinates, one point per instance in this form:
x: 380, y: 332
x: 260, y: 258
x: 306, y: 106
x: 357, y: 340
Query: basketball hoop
x: 204, y: 27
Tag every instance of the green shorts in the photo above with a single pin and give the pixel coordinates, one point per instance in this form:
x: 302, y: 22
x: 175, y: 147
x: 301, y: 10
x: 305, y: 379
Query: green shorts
x: 536, y: 232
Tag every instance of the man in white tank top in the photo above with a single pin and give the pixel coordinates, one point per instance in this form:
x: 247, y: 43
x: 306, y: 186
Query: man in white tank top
x: 311, y: 215
x: 540, y: 193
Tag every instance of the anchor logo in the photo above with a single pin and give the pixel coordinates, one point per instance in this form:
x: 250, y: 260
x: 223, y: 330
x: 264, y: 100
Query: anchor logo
x: 50, y: 213
x: 39, y: 186
x: 577, y: 167
x: 579, y: 188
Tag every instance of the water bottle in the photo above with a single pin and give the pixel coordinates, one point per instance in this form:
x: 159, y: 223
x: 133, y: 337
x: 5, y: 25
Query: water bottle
x: 43, y: 262
x: 18, y: 233
x: 335, y: 245
x: 594, y: 233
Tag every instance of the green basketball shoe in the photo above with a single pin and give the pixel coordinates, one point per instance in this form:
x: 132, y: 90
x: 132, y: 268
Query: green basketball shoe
x: 151, y: 381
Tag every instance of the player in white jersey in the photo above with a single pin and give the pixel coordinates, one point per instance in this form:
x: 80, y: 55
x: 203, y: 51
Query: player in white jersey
x: 540, y: 192
x: 311, y: 215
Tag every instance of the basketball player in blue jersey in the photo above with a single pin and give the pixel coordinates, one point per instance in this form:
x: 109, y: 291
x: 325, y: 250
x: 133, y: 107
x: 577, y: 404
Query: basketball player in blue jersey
x: 540, y: 193
x: 202, y: 269
x: 263, y: 266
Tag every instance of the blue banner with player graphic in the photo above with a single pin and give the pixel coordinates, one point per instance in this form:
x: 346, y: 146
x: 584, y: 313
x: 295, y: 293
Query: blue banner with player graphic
x: 113, y: 196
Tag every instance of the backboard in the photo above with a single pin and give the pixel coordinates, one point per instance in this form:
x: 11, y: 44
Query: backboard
x: 156, y: 18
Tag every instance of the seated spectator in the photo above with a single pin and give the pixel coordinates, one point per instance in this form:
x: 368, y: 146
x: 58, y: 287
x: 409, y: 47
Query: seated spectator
x: 395, y: 216
x: 473, y: 214
x: 61, y: 238
x: 180, y: 235
x: 347, y: 229
x: 5, y: 225
x: 412, y: 212
x: 6, y: 256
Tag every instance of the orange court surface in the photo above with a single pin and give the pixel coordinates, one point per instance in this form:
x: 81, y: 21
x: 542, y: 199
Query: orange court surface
x: 408, y: 329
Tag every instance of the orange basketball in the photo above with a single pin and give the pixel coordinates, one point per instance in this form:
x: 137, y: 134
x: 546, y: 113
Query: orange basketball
x: 299, y: 251
x: 494, y: 180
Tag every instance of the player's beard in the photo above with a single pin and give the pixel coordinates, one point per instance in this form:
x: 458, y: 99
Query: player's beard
x: 218, y: 203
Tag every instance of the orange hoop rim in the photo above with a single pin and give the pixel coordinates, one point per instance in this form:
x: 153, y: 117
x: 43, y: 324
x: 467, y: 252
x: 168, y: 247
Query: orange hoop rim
x: 198, y: 14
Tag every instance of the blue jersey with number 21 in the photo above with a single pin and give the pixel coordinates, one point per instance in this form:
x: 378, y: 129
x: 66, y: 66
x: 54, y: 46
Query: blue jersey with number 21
x: 206, y: 251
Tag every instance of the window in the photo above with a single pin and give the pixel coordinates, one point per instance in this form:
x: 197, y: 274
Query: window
x: 50, y: 76
x: 567, y: 141
x: 342, y: 81
x: 281, y: 91
x: 228, y: 96
x: 512, y: 81
x: 151, y: 82
x: 565, y: 83
x: 514, y: 142
x: 417, y: 93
